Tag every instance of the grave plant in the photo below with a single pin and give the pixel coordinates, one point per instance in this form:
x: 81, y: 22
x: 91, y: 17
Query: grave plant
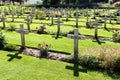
x: 41, y: 30
x: 116, y: 36
x: 40, y: 15
x: 12, y: 27
x: 118, y: 20
x: 10, y: 47
x: 44, y: 48
x: 2, y: 40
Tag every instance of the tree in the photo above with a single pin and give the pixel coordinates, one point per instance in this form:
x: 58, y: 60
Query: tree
x: 46, y: 1
x: 54, y: 2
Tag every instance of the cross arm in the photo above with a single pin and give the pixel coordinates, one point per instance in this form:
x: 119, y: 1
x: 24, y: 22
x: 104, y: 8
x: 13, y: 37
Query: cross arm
x: 81, y: 37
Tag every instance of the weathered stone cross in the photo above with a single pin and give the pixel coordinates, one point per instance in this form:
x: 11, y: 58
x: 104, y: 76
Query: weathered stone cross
x: 105, y: 22
x: 3, y: 20
x: 94, y: 13
x: 31, y: 16
x: 96, y: 24
x: 5, y: 12
x: 110, y: 18
x: 87, y: 15
x: 22, y: 32
x: 76, y: 37
x: 67, y: 15
x: 58, y: 31
x: 48, y: 15
x: 13, y: 16
x: 28, y: 22
x: 77, y: 17
x: 52, y: 19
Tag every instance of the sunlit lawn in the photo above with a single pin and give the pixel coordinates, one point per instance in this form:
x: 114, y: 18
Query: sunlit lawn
x: 31, y: 68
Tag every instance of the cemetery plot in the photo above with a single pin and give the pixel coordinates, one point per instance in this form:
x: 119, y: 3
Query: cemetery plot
x: 73, y: 18
x: 76, y: 31
x: 43, y: 24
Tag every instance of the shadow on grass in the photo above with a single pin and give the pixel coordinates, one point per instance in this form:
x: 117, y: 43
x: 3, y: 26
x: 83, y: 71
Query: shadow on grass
x: 98, y: 41
x: 76, y: 69
x: 112, y: 74
x: 107, y: 29
x: 15, y: 55
x: 54, y: 36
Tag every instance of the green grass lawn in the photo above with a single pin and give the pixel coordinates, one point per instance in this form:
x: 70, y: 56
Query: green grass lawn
x: 31, y: 68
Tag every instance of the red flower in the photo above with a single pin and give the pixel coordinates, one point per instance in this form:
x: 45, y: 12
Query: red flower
x: 39, y: 44
x: 46, y: 45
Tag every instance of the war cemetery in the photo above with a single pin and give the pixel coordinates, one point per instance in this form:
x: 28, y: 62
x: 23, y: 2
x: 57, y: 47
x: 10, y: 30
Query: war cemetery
x: 60, y: 40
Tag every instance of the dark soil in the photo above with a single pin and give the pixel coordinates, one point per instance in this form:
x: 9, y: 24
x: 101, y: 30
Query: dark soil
x: 51, y: 55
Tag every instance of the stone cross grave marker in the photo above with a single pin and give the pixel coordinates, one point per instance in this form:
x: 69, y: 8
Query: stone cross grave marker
x: 87, y: 15
x: 67, y: 16
x: 96, y: 24
x: 3, y: 20
x: 105, y: 22
x: 108, y: 10
x: 18, y: 13
x: 77, y: 17
x: 22, y: 32
x: 76, y: 37
x: 48, y: 14
x: 10, y: 10
x: 110, y: 18
x: 52, y: 19
x: 94, y: 13
x: 0, y: 10
x: 58, y: 24
x: 28, y: 22
x: 5, y: 12
x: 12, y: 16
x: 31, y: 16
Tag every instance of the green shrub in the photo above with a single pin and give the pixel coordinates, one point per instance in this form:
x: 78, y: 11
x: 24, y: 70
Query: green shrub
x: 117, y: 64
x: 92, y: 62
x: 89, y: 25
x: 83, y: 60
x: 118, y: 20
x: 2, y: 40
x: 97, y: 13
x: 41, y: 30
x: 12, y: 27
x: 70, y: 59
x: 102, y: 57
x: 116, y: 36
x: 40, y: 15
x: 63, y: 34
x: 10, y: 47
